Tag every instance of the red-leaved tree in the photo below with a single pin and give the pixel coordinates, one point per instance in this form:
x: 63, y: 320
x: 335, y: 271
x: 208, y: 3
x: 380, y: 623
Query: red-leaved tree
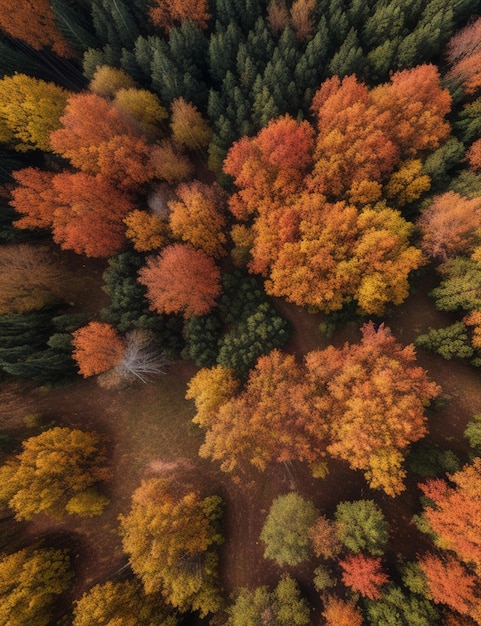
x: 364, y: 574
x: 181, y: 280
x: 97, y: 348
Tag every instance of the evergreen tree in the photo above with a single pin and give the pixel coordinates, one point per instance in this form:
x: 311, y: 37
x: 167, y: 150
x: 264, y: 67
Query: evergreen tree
x: 349, y: 59
x: 74, y: 21
x: 224, y: 44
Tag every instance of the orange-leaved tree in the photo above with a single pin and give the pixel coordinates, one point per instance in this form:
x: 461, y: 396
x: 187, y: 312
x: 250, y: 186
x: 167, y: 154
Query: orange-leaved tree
x: 166, y: 14
x: 364, y: 575
x: 181, y: 280
x: 198, y: 216
x: 272, y: 420
x: 33, y: 22
x: 97, y: 348
x: 455, y: 516
x: 374, y: 397
x: 85, y: 212
x: 98, y: 138
x: 339, y: 612
x: 450, y: 225
x: 449, y: 582
x: 271, y: 165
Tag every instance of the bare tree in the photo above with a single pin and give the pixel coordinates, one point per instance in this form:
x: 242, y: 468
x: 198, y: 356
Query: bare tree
x: 140, y: 361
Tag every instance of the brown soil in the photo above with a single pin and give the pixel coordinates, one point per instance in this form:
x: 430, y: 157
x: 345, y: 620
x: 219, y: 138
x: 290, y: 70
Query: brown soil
x: 148, y: 431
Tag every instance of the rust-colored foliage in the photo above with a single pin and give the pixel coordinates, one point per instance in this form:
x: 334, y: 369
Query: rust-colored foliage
x: 169, y: 162
x: 449, y: 582
x: 198, y: 216
x: 33, y: 22
x: 99, y: 138
x: 364, y: 574
x: 97, y: 348
x: 271, y: 165
x: 354, y: 142
x: 451, y: 225
x: 456, y: 515
x: 321, y: 232
x: 34, y: 198
x: 166, y: 14
x: 375, y: 402
x: 85, y: 212
x: 29, y: 279
x: 464, y: 55
x: 474, y: 155
x: 324, y: 538
x: 416, y: 106
x: 270, y: 421
x: 181, y: 280
x: 339, y: 612
x: 89, y: 214
x: 302, y: 18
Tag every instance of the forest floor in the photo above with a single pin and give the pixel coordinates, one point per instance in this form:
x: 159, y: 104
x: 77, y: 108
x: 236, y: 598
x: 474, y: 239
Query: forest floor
x: 149, y: 432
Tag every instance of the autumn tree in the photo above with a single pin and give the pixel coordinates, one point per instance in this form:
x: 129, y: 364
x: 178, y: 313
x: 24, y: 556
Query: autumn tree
x: 333, y: 254
x: 140, y: 361
x: 324, y: 538
x: 85, y: 212
x: 454, y: 515
x: 464, y: 55
x: 97, y: 348
x: 30, y: 110
x: 188, y: 126
x: 169, y: 162
x: 170, y: 537
x: 107, y: 81
x: 144, y: 109
x: 375, y: 383
x: 361, y: 526
x: 98, y: 138
x: 168, y: 14
x: 146, y: 231
x: 450, y: 226
x: 271, y: 165
x: 364, y: 574
x: 339, y: 612
x: 474, y: 155
x: 34, y: 23
x: 449, y: 582
x: 417, y: 106
x: 302, y: 18
x: 55, y: 473
x: 30, y: 279
x: 283, y: 604
x: 30, y: 582
x: 285, y: 533
x: 210, y: 388
x: 181, y: 280
x: 198, y: 216
x: 123, y: 603
x: 272, y: 420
